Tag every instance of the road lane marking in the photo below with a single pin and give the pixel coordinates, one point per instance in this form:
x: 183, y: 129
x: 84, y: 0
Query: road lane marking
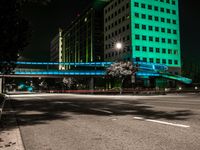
x: 162, y: 122
x: 101, y: 110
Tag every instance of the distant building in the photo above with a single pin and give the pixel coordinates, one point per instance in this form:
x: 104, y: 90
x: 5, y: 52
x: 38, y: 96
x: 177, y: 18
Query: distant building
x: 83, y: 40
x: 148, y: 31
x: 56, y: 48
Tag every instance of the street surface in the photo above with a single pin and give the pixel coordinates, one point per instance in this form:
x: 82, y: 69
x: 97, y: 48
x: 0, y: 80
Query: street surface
x: 89, y: 122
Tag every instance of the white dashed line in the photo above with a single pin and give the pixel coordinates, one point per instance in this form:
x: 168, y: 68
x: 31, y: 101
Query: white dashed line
x: 162, y: 122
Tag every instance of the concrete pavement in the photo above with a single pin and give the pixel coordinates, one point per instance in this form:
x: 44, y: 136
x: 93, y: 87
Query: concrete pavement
x: 84, y: 122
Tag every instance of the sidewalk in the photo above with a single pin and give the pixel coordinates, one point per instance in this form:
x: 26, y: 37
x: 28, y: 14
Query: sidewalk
x: 10, y: 137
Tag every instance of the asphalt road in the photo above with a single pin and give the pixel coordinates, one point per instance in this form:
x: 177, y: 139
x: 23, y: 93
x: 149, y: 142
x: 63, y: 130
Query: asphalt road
x: 83, y: 122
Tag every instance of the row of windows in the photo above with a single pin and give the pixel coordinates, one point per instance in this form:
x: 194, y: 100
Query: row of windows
x: 158, y: 60
x: 115, y: 54
x: 173, y: 2
x: 115, y: 4
x: 156, y: 28
x: 156, y: 39
x: 156, y: 8
x: 114, y: 14
x: 116, y: 22
x: 116, y: 32
x: 155, y: 49
x: 156, y: 18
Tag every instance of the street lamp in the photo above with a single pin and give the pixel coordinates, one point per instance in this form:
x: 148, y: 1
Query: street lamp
x: 118, y: 45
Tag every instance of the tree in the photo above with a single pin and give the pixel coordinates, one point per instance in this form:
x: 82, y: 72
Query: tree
x: 14, y: 32
x: 68, y: 82
x: 121, y: 70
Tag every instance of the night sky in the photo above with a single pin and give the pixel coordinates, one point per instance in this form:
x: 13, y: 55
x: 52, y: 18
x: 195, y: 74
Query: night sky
x: 46, y: 19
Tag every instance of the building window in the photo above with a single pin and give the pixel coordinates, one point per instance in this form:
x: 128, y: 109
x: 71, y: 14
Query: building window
x: 169, y: 51
x: 127, y: 27
x: 150, y: 17
x: 175, y: 52
x: 174, y: 32
x: 168, y: 11
x: 169, y: 61
x: 144, y: 27
x: 137, y: 48
x: 157, y: 29
x: 143, y: 5
x: 137, y: 26
x: 162, y: 9
x: 163, y: 30
x: 145, y: 59
x: 137, y: 15
x: 157, y: 39
x: 169, y: 41
x: 151, y: 60
x: 163, y: 50
x: 150, y: 7
x: 143, y: 16
x: 164, y: 61
x: 157, y: 60
x: 173, y: 2
x: 176, y: 62
x: 150, y: 38
x: 151, y: 28
x: 156, y: 18
x: 168, y: 20
x: 169, y: 30
x: 137, y: 58
x: 174, y: 21
x: 162, y: 19
x: 175, y: 42
x: 127, y: 5
x: 157, y: 50
x: 144, y: 49
x: 144, y: 38
x: 174, y: 12
x: 156, y: 8
x: 137, y: 36
x: 136, y: 4
x: 150, y: 49
x: 163, y: 40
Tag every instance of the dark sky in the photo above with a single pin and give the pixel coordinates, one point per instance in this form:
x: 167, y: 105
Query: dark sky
x: 45, y: 20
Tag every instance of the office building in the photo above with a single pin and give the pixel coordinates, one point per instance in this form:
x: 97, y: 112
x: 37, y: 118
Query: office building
x: 83, y: 39
x: 147, y: 29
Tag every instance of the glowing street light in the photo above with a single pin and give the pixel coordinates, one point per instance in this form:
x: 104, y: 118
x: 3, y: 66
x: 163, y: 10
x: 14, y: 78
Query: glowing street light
x: 118, y: 45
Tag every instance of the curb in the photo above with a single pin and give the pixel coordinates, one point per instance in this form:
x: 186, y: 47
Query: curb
x: 10, y: 136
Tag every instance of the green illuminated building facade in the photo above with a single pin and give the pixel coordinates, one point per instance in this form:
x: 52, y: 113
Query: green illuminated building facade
x: 148, y: 29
